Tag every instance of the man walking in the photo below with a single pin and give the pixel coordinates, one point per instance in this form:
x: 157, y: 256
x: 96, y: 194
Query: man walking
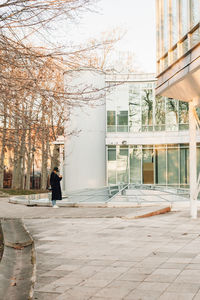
x: 55, y: 186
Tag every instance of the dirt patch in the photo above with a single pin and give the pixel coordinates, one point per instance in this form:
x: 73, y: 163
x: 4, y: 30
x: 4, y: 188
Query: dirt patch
x: 1, y: 243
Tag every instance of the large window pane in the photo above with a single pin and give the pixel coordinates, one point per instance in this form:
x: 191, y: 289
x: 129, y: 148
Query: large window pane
x: 171, y: 115
x: 135, y: 164
x: 195, y: 12
x: 184, y: 16
x: 147, y: 110
x: 112, y: 165
x: 122, y: 121
x: 134, y: 108
x: 183, y: 115
x: 160, y: 113
x: 122, y: 165
x: 184, y: 165
x: 165, y: 26
x: 160, y: 166
x: 148, y: 166
x: 174, y: 22
x: 195, y: 37
x: 111, y: 121
x: 172, y: 166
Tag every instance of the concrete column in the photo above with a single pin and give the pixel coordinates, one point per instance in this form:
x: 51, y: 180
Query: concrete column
x: 193, y: 161
x: 85, y: 133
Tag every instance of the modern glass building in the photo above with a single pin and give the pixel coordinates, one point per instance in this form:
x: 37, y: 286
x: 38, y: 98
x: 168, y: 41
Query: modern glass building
x: 178, y: 48
x: 147, y: 137
x: 178, y: 68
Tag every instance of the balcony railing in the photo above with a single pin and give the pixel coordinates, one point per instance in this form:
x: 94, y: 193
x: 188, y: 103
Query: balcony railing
x: 180, y: 49
x: 147, y: 128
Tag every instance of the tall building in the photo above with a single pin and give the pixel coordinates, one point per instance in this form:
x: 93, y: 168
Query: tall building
x: 178, y: 66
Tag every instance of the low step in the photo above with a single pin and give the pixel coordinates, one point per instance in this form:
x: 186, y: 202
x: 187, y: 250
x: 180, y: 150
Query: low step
x: 148, y: 212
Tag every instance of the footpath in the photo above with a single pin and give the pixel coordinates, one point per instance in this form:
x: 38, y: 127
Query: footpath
x: 104, y: 253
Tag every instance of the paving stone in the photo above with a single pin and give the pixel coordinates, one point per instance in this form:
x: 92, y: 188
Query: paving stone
x: 183, y: 287
x: 176, y: 296
x: 143, y: 295
x: 45, y: 296
x: 153, y: 286
x: 96, y: 282
x: 113, y: 292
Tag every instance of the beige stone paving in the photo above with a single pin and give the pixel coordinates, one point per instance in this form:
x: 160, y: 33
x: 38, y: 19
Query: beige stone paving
x: 112, y: 258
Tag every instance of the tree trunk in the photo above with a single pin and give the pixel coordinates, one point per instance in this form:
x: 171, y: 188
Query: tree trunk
x: 45, y: 147
x: 3, y: 144
x: 55, y: 157
x: 28, y: 161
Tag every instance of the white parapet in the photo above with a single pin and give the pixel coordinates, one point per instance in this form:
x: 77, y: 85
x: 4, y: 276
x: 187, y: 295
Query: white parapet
x: 85, y: 130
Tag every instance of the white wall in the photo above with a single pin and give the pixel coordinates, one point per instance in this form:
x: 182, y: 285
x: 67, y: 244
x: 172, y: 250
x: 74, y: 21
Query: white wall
x: 85, y: 156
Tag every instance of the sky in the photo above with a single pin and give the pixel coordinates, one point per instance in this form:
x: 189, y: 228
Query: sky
x: 136, y: 17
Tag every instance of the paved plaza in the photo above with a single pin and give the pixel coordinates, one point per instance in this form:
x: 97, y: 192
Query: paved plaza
x: 88, y: 253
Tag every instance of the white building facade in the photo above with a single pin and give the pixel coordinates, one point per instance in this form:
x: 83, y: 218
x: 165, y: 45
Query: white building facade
x: 85, y: 132
x: 131, y: 137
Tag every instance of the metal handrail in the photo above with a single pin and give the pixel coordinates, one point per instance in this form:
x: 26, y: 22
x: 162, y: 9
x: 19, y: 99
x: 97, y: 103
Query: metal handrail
x: 117, y: 193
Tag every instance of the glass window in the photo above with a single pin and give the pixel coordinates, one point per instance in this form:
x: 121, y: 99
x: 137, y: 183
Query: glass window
x: 160, y: 166
x: 184, y: 165
x: 122, y: 164
x: 172, y: 166
x: 111, y: 121
x: 195, y: 37
x: 184, y: 16
x: 148, y: 166
x: 175, y: 54
x: 171, y: 114
x: 160, y: 113
x: 185, y: 46
x: 195, y: 12
x: 165, y: 26
x: 135, y: 164
x: 183, y: 115
x: 122, y: 121
x: 112, y: 165
x: 147, y: 110
x: 174, y: 23
x: 134, y: 108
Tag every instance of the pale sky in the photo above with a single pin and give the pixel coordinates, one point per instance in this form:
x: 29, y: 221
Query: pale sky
x: 137, y: 17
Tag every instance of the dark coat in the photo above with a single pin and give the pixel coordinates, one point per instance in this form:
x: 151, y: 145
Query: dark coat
x: 55, y: 185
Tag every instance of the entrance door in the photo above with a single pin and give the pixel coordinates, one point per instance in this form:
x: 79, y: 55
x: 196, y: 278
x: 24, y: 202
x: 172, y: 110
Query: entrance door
x: 148, y: 166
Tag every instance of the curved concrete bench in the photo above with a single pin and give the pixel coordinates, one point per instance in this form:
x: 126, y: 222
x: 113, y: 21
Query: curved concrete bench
x: 17, y: 264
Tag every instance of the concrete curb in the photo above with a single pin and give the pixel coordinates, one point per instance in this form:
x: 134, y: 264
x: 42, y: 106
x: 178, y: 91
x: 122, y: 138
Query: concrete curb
x: 17, y: 265
x: 145, y: 214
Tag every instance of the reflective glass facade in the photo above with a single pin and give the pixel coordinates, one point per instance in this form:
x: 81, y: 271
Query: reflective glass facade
x: 178, y: 30
x: 166, y: 165
x: 133, y: 110
x: 142, y: 111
